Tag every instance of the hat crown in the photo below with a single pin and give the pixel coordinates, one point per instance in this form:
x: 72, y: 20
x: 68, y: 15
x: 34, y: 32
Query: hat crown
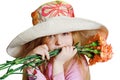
x: 52, y: 9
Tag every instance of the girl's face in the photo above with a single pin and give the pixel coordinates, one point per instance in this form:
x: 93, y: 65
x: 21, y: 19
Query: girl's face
x: 59, y: 40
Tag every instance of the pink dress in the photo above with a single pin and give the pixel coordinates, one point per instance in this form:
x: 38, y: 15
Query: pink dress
x: 73, y: 73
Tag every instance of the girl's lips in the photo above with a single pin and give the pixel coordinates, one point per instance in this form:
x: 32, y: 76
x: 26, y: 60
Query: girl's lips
x: 57, y: 47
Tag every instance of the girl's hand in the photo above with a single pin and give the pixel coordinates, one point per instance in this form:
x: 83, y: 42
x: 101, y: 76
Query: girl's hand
x: 41, y: 50
x: 65, y: 55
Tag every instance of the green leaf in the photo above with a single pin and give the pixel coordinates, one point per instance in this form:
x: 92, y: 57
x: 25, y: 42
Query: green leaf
x: 97, y: 51
x: 96, y: 43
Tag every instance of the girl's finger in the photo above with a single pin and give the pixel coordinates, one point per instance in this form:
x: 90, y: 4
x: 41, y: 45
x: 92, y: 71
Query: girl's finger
x: 75, y: 51
x: 45, y: 47
x: 43, y: 57
x: 47, y: 55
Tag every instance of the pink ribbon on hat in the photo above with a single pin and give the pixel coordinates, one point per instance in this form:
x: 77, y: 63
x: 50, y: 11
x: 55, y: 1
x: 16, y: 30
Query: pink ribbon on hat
x: 54, y: 9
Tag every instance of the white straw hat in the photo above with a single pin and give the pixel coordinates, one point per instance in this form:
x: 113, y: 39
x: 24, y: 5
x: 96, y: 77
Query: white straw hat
x: 51, y: 18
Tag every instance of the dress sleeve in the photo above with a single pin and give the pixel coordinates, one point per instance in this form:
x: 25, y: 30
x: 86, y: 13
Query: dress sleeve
x: 35, y: 74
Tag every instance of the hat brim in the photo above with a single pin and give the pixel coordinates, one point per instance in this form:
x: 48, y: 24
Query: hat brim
x: 51, y: 26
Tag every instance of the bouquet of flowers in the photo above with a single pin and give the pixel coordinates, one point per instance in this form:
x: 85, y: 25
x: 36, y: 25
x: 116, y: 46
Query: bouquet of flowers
x: 96, y: 50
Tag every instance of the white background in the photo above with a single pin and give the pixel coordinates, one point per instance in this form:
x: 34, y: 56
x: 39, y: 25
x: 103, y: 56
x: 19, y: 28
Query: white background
x: 15, y: 17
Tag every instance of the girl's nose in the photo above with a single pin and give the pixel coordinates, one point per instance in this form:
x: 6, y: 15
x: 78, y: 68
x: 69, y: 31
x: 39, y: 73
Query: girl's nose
x: 58, y: 40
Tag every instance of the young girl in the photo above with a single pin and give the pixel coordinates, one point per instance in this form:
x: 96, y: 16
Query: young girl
x: 55, y: 27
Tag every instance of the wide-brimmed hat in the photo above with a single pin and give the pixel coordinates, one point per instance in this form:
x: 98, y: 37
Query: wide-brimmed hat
x: 51, y: 18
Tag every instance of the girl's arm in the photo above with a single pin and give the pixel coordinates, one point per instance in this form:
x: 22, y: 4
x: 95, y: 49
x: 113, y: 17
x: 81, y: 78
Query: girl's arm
x: 58, y: 71
x: 65, y: 55
x: 43, y: 51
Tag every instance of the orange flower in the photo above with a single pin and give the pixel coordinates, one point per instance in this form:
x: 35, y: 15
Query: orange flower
x: 95, y: 59
x: 94, y: 38
x: 105, y: 50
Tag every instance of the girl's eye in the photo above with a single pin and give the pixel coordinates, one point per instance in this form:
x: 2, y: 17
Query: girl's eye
x: 51, y: 36
x: 65, y: 34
